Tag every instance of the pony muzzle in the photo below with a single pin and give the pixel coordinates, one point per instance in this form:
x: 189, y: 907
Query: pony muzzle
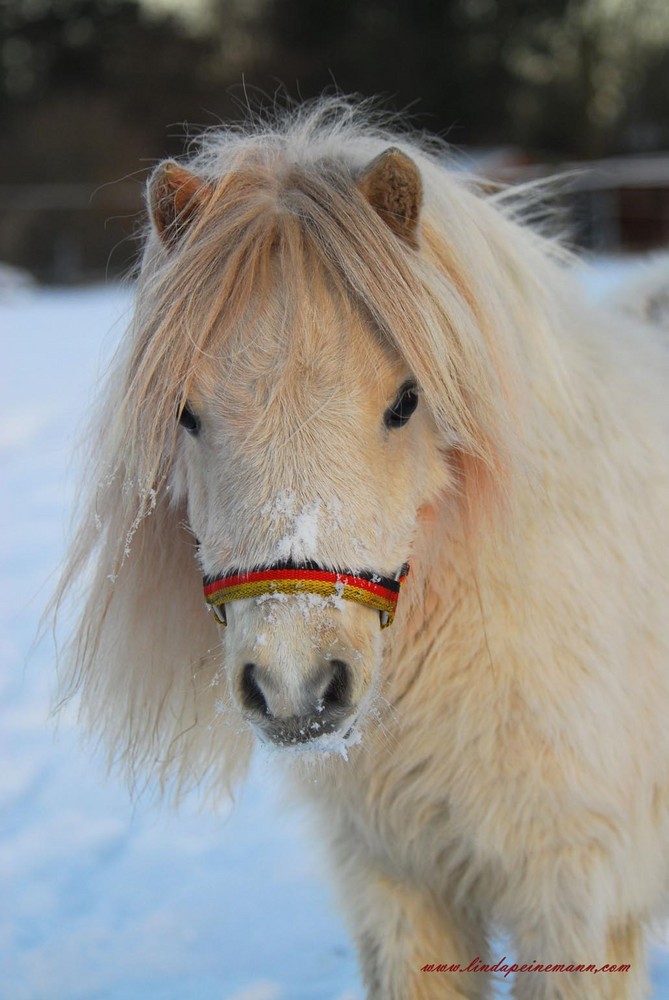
x: 370, y: 589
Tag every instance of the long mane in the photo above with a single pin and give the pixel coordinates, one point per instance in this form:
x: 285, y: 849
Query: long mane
x: 474, y: 312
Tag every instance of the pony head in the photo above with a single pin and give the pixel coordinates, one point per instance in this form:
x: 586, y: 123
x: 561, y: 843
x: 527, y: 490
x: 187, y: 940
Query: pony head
x: 298, y: 443
x: 322, y: 373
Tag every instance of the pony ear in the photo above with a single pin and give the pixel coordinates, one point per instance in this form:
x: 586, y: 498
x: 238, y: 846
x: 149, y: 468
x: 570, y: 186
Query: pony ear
x: 175, y: 197
x: 392, y: 185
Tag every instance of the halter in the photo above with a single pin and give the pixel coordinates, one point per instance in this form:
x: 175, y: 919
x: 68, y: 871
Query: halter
x: 378, y: 592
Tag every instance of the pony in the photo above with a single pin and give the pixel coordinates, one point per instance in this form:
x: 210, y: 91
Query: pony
x: 425, y: 482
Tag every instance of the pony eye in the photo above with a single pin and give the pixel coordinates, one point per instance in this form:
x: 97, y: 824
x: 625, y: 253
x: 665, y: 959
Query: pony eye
x: 189, y: 420
x: 398, y: 414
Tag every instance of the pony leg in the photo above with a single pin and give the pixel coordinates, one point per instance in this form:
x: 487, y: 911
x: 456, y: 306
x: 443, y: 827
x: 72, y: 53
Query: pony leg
x: 624, y: 946
x: 400, y: 930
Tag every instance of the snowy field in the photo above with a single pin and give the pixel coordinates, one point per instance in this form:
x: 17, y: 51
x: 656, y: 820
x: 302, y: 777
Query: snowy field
x: 100, y: 898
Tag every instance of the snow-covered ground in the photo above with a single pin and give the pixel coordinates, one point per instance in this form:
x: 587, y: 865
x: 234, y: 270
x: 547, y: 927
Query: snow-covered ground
x: 102, y: 899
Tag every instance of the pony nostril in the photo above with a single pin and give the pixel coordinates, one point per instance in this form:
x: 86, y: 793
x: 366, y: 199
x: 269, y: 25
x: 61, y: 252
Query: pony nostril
x: 251, y: 693
x: 337, y: 692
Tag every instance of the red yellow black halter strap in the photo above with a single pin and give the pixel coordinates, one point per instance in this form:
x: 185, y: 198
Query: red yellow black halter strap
x: 370, y: 589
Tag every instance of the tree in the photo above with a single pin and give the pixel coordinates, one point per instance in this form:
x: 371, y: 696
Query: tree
x: 581, y: 72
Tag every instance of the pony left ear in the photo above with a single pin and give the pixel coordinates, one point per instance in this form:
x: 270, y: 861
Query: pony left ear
x: 392, y: 185
x: 175, y: 197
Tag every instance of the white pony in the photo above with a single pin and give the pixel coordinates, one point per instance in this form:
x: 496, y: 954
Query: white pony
x: 345, y: 358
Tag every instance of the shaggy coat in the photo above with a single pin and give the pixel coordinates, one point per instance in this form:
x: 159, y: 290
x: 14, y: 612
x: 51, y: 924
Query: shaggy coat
x: 508, y: 766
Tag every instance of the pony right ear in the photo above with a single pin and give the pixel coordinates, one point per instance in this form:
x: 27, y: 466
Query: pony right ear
x: 175, y: 197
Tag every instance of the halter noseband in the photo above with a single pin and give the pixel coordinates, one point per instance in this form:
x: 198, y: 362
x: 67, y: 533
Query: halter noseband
x: 378, y: 592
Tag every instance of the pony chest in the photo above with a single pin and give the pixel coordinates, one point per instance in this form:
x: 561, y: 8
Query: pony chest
x: 459, y: 804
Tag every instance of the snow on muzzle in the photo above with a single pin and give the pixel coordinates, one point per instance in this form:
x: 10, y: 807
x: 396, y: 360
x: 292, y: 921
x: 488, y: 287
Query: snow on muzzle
x: 299, y: 644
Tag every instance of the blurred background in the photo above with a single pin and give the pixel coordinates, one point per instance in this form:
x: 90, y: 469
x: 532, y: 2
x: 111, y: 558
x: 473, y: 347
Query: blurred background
x: 93, y: 92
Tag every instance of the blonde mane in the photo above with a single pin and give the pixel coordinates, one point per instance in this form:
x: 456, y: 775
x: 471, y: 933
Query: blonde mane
x: 475, y: 315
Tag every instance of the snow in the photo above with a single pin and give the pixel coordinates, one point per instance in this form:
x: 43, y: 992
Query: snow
x: 102, y: 898
x: 301, y: 539
x: 323, y: 745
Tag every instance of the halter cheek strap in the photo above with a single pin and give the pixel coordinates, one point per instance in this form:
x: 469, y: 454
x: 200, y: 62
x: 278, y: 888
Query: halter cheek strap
x: 378, y: 592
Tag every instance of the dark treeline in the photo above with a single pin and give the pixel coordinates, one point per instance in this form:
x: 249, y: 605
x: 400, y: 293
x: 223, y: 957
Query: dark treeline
x: 94, y: 91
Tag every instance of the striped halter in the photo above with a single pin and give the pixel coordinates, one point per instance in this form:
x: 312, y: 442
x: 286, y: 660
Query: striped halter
x: 377, y: 592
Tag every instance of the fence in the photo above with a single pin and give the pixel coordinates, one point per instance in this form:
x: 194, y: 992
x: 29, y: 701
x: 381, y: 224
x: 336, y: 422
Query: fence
x: 66, y: 233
